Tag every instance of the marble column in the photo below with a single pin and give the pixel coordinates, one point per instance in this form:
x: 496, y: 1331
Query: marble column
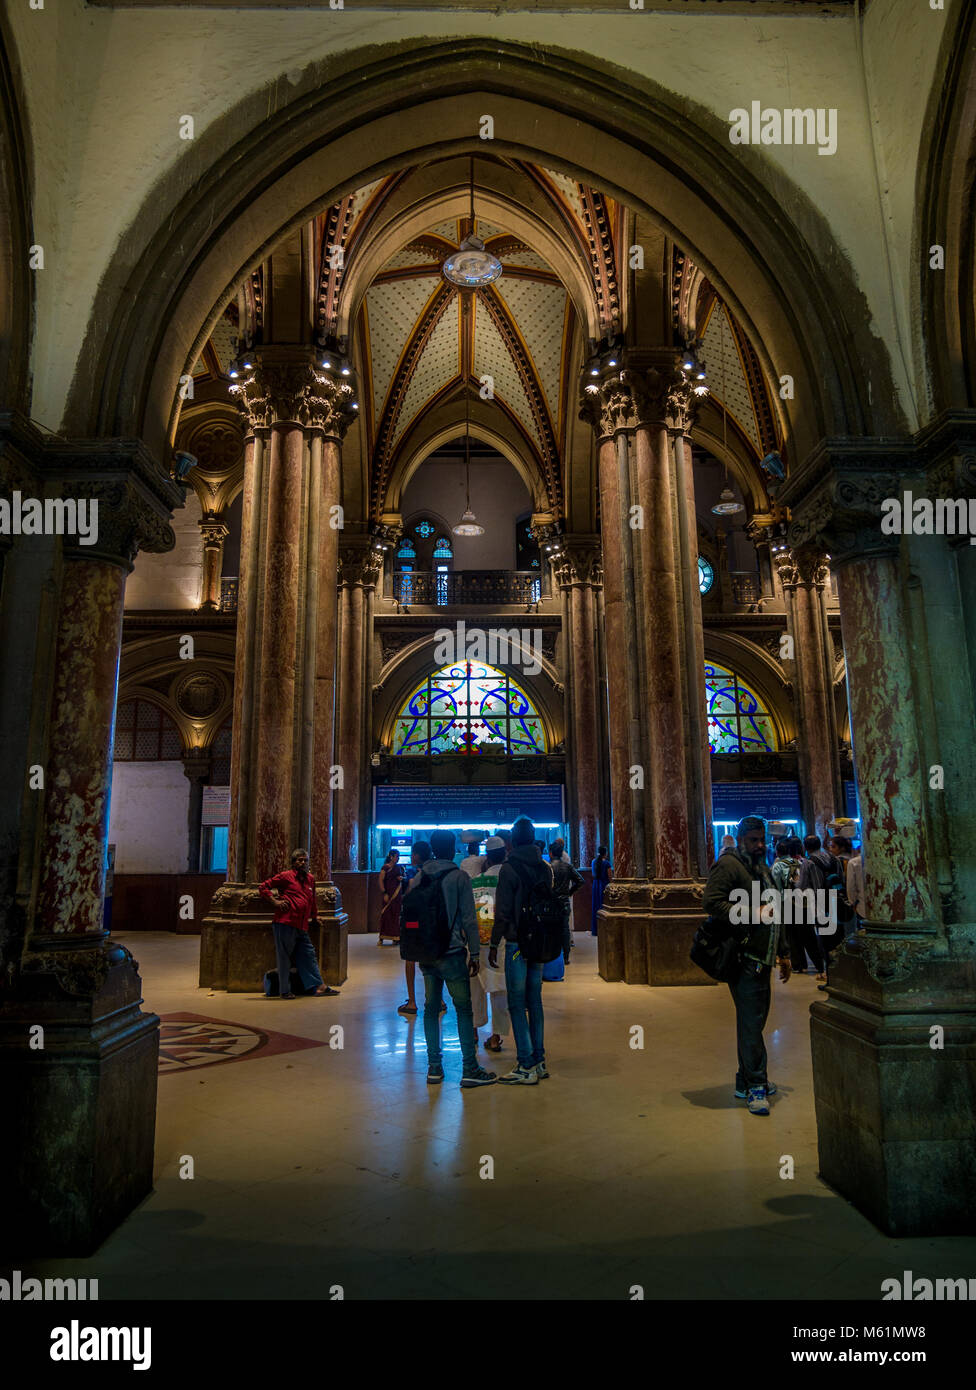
x: 899, y: 1013
x: 282, y: 740
x: 578, y: 576
x: 77, y: 1055
x: 360, y: 565
x: 804, y: 575
x: 658, y: 765
x: 214, y: 534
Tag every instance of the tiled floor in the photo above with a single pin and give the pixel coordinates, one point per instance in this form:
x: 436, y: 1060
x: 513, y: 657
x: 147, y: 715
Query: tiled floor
x: 340, y: 1166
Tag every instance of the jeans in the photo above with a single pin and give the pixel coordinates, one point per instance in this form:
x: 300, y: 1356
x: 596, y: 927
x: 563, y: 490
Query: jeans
x: 751, y: 994
x: 567, y: 934
x: 524, y: 983
x: 292, y: 946
x: 450, y: 970
x: 804, y: 942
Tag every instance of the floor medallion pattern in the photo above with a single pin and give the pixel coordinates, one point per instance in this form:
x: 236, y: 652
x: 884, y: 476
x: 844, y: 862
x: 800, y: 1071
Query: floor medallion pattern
x: 192, y: 1040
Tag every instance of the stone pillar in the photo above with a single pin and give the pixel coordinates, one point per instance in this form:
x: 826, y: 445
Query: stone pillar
x: 900, y: 1013
x: 282, y: 741
x: 214, y: 534
x: 804, y: 575
x: 360, y: 565
x: 578, y: 575
x: 658, y: 756
x: 196, y: 769
x: 77, y: 1056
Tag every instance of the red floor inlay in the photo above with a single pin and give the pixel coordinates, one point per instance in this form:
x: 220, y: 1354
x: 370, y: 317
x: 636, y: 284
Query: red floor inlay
x: 192, y: 1040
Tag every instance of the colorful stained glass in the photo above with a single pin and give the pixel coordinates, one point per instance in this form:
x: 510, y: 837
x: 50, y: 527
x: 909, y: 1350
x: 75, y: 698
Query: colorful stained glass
x: 738, y: 722
x: 406, y: 551
x: 424, y: 529
x: 706, y: 575
x: 442, y: 550
x: 468, y: 708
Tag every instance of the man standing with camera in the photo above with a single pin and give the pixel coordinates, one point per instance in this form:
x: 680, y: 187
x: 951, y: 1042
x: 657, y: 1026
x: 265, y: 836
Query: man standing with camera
x: 763, y: 942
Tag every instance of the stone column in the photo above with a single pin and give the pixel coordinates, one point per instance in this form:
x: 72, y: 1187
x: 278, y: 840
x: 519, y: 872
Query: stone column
x: 360, y: 565
x: 214, y: 534
x: 804, y: 575
x: 578, y: 575
x: 196, y: 769
x: 281, y: 745
x: 900, y: 1013
x: 82, y: 1083
x: 658, y: 765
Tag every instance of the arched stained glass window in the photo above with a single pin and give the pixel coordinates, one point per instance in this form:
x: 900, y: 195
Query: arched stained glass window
x: 442, y: 550
x: 738, y: 721
x: 406, y: 551
x: 468, y: 708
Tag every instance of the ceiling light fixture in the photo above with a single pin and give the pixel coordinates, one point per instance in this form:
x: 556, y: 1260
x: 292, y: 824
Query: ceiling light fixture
x: 468, y: 524
x: 471, y: 267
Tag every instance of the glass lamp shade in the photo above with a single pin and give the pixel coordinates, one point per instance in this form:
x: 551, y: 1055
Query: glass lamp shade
x: 727, y: 504
x: 468, y: 526
x: 471, y: 266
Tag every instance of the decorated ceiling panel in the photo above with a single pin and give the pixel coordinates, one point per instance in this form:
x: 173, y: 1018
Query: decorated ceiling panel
x: 436, y: 366
x: 539, y: 311
x: 493, y: 358
x: 393, y: 307
x: 726, y: 373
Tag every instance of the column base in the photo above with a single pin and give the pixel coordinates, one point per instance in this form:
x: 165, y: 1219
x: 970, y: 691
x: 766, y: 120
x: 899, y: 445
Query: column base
x: 237, y: 944
x: 646, y: 929
x: 78, y: 1073
x: 894, y: 1114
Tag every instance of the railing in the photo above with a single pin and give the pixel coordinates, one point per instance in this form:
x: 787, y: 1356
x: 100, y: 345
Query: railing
x: 745, y: 586
x: 438, y: 589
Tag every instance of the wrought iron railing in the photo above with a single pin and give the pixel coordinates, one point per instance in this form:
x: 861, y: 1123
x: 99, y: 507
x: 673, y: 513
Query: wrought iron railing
x: 228, y: 595
x: 746, y: 587
x: 440, y: 588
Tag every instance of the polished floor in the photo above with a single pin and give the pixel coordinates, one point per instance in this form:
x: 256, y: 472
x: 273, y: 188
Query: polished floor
x: 337, y: 1165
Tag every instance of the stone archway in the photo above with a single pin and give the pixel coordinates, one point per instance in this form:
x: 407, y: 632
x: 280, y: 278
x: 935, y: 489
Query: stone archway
x: 176, y: 262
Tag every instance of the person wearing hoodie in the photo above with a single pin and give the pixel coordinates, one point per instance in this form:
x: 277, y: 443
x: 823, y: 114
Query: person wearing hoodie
x: 455, y: 968
x: 762, y: 942
x: 521, y: 871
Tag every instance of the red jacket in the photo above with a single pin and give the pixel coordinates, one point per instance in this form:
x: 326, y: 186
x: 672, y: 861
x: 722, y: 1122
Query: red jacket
x: 299, y: 905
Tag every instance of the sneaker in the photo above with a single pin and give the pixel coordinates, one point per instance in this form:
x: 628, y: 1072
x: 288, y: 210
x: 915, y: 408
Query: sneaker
x: 743, y: 1094
x: 540, y: 1071
x: 478, y: 1077
x: 522, y: 1076
x: 758, y: 1104
x: 435, y: 1074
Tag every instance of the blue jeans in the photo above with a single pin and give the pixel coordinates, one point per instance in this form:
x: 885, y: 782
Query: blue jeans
x: 293, y: 947
x: 450, y: 970
x: 524, y: 985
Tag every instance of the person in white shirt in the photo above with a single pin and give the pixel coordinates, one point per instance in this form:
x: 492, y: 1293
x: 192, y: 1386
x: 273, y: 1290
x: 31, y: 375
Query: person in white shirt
x: 492, y: 979
x: 855, y: 884
x: 472, y: 864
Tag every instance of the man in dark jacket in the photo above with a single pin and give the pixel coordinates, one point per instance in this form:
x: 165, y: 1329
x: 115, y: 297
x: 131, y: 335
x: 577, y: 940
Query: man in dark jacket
x: 293, y: 894
x: 566, y: 880
x: 522, y: 870
x: 729, y: 899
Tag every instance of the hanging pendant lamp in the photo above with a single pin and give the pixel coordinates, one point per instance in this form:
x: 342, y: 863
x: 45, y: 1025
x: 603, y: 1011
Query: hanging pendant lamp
x: 468, y: 525
x: 470, y: 267
x: 726, y: 504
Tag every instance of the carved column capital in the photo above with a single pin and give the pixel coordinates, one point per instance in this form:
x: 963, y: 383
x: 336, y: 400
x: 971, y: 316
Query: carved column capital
x: 578, y: 561
x: 287, y: 387
x: 360, y: 562
x: 214, y: 532
x: 803, y: 565
x: 836, y: 497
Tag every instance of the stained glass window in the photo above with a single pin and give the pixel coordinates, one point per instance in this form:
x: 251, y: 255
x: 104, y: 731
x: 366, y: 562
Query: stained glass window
x: 406, y: 551
x: 738, y: 721
x: 424, y: 529
x: 442, y: 550
x: 706, y: 575
x: 468, y: 708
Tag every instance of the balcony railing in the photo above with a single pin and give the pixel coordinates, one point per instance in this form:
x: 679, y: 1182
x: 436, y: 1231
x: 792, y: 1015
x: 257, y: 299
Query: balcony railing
x: 228, y: 594
x: 494, y: 587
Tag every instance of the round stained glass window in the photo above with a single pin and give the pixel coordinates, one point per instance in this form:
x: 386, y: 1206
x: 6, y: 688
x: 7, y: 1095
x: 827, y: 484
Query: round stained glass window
x: 706, y: 575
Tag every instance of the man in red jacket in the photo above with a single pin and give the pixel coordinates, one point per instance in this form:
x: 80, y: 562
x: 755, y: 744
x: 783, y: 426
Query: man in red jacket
x: 293, y: 895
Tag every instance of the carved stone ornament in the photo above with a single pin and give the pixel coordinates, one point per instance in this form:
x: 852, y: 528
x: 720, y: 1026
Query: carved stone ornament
x: 287, y: 390
x: 199, y: 695
x: 80, y: 966
x: 360, y: 563
x: 886, y: 959
x: 129, y: 520
x: 217, y: 446
x: 842, y: 517
x: 579, y: 561
x: 805, y: 565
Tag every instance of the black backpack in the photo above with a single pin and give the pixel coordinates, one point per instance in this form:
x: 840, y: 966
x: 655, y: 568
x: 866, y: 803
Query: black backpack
x: 425, y: 932
x: 542, y: 918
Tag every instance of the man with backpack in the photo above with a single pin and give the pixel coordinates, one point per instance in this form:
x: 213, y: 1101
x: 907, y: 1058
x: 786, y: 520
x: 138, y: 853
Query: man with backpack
x: 529, y: 915
x: 439, y: 930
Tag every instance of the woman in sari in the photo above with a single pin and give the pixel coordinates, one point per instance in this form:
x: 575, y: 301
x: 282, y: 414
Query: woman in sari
x: 391, y: 883
x: 601, y: 871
